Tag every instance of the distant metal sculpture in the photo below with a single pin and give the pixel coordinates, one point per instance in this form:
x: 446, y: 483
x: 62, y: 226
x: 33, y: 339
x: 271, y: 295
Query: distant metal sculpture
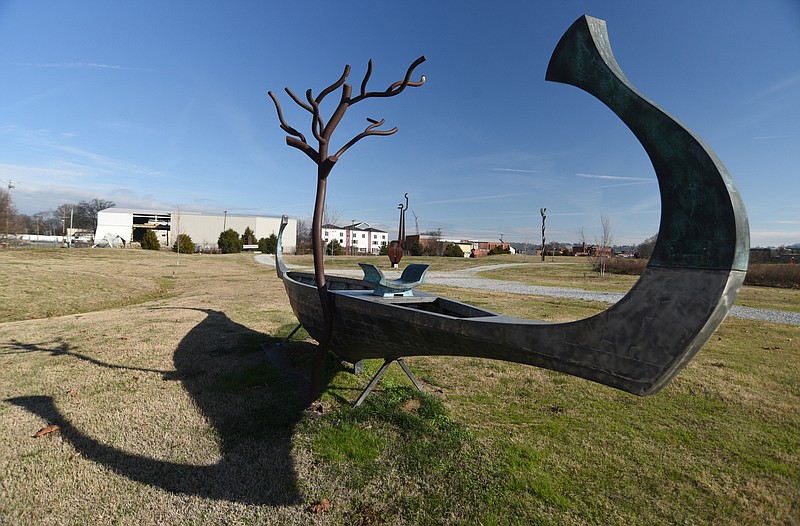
x: 397, y: 246
x: 323, y: 132
x: 637, y: 345
x: 543, y: 211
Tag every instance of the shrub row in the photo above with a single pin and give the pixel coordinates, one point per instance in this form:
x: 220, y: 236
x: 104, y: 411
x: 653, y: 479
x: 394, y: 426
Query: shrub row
x: 781, y: 276
x: 773, y: 275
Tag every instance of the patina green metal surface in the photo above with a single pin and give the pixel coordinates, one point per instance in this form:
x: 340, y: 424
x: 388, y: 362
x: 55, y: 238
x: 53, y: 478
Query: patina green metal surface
x: 637, y: 345
x: 703, y: 221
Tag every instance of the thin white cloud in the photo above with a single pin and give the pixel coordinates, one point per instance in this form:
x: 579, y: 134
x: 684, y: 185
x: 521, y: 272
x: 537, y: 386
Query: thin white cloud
x: 71, y: 158
x: 781, y: 85
x: 514, y: 170
x: 611, y: 177
x: 472, y: 199
x: 76, y: 65
x: 82, y: 65
x: 769, y: 137
x: 634, y: 183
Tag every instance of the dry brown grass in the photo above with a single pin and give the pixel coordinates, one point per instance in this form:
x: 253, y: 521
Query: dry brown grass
x: 163, y: 422
x: 145, y: 438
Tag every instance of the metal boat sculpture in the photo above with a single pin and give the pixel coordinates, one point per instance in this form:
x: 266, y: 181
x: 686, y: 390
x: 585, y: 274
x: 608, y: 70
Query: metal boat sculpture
x: 637, y: 345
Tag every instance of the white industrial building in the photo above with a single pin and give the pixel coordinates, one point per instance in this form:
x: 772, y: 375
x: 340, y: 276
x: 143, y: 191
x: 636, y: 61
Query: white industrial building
x: 130, y: 225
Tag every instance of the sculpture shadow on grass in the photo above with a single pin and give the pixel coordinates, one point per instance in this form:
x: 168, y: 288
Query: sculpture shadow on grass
x: 250, y: 405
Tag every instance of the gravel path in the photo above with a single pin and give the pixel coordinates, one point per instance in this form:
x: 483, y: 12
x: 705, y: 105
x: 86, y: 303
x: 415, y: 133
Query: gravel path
x: 469, y: 279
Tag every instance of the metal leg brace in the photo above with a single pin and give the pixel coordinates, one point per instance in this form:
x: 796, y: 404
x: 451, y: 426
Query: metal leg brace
x: 379, y: 374
x: 286, y: 340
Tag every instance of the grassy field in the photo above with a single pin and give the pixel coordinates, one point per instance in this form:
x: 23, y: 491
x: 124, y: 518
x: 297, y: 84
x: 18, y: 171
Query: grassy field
x: 169, y: 413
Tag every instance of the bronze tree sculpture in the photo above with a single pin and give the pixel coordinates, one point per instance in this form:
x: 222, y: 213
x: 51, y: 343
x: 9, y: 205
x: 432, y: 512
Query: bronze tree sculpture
x: 322, y: 132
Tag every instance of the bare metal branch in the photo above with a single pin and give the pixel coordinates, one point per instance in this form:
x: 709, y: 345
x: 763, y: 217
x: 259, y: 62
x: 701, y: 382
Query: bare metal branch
x: 344, y: 103
x: 303, y: 147
x: 397, y: 87
x: 366, y: 133
x: 335, y: 85
x: 285, y: 127
x: 298, y: 101
x: 367, y: 75
x: 316, y: 120
x: 323, y: 131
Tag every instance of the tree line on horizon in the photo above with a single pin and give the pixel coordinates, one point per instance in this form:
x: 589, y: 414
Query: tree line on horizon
x: 81, y: 216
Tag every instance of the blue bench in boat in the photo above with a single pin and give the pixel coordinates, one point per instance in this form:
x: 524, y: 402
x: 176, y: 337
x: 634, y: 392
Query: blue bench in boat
x: 412, y: 276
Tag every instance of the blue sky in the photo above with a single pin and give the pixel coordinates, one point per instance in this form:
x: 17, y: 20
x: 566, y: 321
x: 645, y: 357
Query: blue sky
x: 164, y: 105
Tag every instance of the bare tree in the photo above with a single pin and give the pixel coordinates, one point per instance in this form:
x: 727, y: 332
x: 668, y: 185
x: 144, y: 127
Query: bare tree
x: 605, y: 242
x: 645, y: 248
x: 303, y: 237
x: 11, y: 219
x: 322, y: 132
x: 86, y: 213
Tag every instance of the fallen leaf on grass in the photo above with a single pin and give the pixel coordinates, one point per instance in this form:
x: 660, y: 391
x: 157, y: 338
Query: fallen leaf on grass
x: 46, y: 430
x: 321, y: 506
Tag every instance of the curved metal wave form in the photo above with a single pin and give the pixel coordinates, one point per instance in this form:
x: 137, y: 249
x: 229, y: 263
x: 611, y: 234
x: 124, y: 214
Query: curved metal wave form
x: 639, y: 344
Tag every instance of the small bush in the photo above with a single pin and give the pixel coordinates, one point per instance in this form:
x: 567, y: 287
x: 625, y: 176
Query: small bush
x: 334, y: 248
x: 499, y: 250
x: 453, y: 251
x: 249, y: 237
x: 185, y: 243
x: 268, y: 245
x: 229, y: 242
x: 150, y: 241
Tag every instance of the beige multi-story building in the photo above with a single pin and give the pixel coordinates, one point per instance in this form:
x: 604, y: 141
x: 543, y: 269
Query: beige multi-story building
x: 358, y: 238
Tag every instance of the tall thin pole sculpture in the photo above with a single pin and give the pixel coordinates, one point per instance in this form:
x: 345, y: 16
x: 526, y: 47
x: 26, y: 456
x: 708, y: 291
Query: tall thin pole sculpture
x: 397, y: 246
x: 543, y: 211
x: 322, y: 132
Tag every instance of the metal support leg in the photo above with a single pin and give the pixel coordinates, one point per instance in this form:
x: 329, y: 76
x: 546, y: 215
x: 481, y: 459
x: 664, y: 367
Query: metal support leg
x: 285, y: 340
x: 373, y: 382
x: 411, y: 375
x: 379, y: 374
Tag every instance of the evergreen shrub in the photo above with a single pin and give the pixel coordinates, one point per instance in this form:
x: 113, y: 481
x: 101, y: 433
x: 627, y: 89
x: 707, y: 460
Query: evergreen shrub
x: 229, y: 242
x: 150, y: 241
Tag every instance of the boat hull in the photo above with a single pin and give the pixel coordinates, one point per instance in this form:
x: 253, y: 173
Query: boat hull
x: 633, y: 346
